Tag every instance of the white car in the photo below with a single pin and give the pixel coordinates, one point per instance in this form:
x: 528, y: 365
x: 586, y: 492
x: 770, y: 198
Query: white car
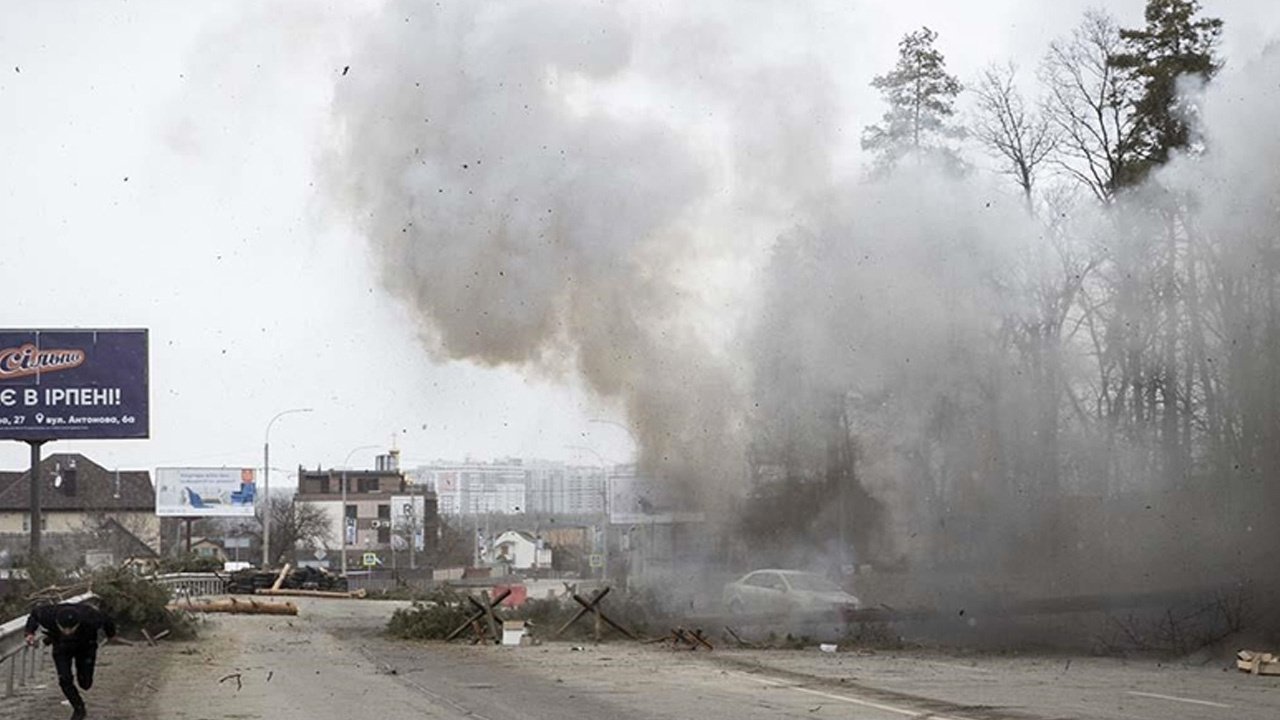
x: 787, y: 591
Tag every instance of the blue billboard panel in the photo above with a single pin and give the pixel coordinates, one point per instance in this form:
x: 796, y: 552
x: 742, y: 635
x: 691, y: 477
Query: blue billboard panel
x: 73, y: 384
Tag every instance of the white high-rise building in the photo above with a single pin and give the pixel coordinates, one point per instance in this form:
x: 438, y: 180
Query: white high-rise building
x: 515, y: 486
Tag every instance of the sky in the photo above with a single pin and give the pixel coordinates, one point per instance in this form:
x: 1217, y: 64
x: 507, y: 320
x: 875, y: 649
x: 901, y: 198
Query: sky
x: 162, y: 170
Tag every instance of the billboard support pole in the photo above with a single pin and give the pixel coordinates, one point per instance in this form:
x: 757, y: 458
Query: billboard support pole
x: 35, y: 496
x: 266, y: 498
x: 345, y: 522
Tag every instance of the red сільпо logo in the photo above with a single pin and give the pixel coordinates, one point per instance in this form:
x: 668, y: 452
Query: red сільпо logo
x: 29, y: 360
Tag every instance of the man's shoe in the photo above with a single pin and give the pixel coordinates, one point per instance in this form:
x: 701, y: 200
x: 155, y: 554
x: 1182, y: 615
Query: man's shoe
x: 78, y: 714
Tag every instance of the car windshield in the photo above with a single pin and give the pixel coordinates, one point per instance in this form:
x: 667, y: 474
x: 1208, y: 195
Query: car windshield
x: 811, y: 583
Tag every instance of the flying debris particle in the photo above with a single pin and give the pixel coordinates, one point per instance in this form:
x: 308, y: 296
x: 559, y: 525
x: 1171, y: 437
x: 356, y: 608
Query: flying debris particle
x: 346, y: 70
x: 126, y: 178
x: 17, y: 69
x: 236, y: 677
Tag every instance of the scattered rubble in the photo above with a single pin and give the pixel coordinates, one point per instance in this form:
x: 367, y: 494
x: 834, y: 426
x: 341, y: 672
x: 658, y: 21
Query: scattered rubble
x: 1256, y: 663
x: 683, y: 638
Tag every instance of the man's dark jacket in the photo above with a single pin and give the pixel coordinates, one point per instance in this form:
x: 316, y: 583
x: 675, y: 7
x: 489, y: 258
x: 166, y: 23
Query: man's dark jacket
x: 91, y: 620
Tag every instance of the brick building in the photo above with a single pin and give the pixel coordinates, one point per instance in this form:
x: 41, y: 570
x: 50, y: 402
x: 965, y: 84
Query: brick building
x: 385, y: 514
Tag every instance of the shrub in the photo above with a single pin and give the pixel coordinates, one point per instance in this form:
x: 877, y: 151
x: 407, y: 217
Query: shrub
x: 431, y: 618
x: 640, y: 611
x: 137, y: 604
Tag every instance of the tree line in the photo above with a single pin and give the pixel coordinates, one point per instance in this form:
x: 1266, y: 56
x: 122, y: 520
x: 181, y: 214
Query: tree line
x: 1130, y: 347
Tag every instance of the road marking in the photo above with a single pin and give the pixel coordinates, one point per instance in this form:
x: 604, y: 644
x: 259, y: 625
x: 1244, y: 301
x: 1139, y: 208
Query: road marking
x: 1178, y: 699
x: 845, y: 698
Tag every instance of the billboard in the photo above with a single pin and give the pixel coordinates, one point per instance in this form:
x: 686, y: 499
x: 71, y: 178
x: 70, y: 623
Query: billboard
x: 73, y: 384
x: 205, y: 492
x: 407, y: 513
x: 634, y: 499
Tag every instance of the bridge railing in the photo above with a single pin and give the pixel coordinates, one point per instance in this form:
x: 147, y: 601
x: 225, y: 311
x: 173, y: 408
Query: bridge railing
x: 190, y: 585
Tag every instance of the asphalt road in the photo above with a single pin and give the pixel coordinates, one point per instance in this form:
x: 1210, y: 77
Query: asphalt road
x: 331, y: 663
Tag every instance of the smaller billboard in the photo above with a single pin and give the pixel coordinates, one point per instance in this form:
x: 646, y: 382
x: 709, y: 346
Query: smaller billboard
x: 636, y: 499
x: 205, y: 492
x: 407, y: 512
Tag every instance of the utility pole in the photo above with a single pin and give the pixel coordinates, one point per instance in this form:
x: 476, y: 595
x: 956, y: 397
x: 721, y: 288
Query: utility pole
x: 36, y: 517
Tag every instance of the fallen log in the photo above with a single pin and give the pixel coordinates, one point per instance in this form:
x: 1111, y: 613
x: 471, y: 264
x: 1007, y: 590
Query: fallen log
x: 234, y: 606
x: 280, y: 578
x: 314, y: 593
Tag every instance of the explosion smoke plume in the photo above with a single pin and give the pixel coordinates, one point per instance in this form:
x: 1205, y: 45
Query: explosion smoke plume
x: 577, y: 188
x: 531, y: 217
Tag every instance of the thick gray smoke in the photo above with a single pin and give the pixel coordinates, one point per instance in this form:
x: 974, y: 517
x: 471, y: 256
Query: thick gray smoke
x: 572, y: 187
x: 986, y: 360
x: 646, y: 200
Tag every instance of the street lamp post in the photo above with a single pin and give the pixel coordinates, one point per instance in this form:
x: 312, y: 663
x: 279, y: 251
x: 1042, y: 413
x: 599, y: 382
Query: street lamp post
x: 266, y: 485
x: 346, y: 460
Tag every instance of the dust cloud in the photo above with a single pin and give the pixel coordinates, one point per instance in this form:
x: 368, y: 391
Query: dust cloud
x: 648, y: 199
x: 581, y: 188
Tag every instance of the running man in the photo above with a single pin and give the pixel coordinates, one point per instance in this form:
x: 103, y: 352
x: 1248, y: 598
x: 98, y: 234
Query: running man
x: 72, y: 629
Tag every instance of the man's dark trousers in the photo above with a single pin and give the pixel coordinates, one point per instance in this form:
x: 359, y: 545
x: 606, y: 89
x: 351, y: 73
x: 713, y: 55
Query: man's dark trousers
x: 81, y: 657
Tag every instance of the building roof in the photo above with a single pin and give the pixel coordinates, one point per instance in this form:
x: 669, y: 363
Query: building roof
x: 7, y: 479
x: 527, y: 536
x: 131, y: 544
x: 96, y: 488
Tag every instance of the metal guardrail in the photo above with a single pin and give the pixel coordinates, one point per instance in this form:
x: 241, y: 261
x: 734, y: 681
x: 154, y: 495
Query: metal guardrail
x: 190, y: 585
x: 18, y: 662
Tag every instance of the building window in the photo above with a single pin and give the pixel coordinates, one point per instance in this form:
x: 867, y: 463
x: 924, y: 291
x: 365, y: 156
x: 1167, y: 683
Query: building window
x: 384, y: 512
x: 384, y: 535
x: 351, y: 512
x: 367, y: 485
x: 324, y: 486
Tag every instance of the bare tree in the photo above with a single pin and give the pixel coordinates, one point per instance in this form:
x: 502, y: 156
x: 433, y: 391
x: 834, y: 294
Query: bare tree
x: 457, y: 545
x: 294, y: 526
x: 1090, y: 106
x: 1020, y: 138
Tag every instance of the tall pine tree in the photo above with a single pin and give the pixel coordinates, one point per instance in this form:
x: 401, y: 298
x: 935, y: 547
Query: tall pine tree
x: 921, y: 96
x: 1175, y: 44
